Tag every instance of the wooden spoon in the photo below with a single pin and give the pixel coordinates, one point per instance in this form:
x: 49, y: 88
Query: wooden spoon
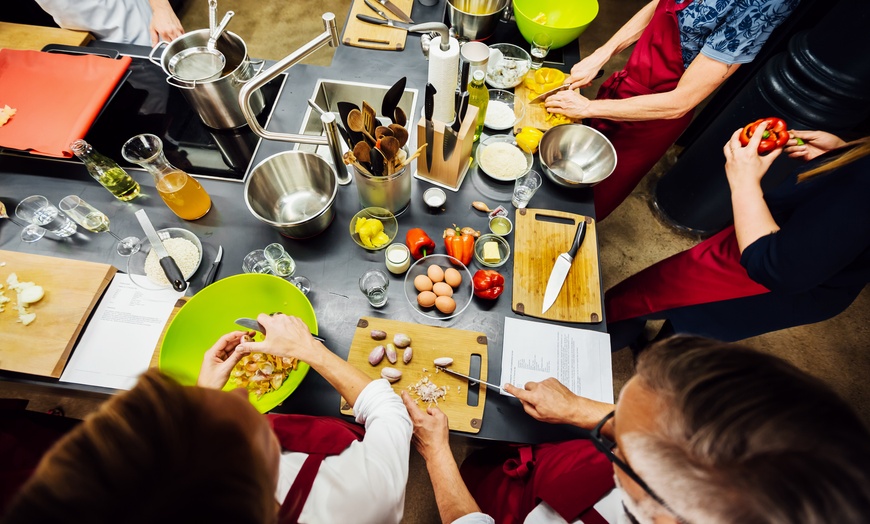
x: 362, y: 151
x: 415, y: 155
x: 389, y: 147
x: 355, y: 123
x: 400, y: 117
x: 400, y: 133
x: 382, y: 131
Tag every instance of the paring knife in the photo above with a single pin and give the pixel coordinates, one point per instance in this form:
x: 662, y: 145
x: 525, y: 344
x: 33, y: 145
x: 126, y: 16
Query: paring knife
x: 252, y: 324
x: 429, y: 108
x: 393, y: 8
x: 562, y: 267
x: 170, y: 268
x: 212, y: 271
x: 471, y: 381
x: 543, y: 96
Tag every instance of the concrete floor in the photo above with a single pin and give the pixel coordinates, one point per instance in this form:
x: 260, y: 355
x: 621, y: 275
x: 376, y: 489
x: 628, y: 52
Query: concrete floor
x: 632, y: 238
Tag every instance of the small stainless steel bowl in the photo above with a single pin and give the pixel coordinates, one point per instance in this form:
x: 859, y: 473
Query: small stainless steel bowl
x: 293, y: 192
x: 574, y: 155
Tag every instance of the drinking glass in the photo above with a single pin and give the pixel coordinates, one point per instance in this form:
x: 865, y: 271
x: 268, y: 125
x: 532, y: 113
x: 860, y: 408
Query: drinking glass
x: 256, y: 262
x: 37, y: 210
x: 96, y: 221
x: 541, y: 44
x: 524, y: 188
x: 280, y: 261
x: 374, y: 284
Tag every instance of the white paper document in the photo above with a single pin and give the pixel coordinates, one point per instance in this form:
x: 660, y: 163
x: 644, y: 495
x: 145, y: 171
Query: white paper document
x: 578, y: 358
x: 121, y: 336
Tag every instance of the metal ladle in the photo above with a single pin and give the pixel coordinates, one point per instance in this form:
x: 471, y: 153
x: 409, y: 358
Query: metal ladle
x: 201, y: 63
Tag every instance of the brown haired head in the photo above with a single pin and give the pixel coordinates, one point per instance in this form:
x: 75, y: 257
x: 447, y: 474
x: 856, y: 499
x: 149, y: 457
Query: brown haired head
x: 150, y: 455
x: 745, y: 437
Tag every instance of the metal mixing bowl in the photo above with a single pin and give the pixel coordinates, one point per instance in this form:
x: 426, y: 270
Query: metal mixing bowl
x: 574, y: 155
x: 293, y: 192
x: 474, y: 19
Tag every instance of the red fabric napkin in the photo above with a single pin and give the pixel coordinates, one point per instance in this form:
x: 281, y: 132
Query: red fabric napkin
x: 57, y: 97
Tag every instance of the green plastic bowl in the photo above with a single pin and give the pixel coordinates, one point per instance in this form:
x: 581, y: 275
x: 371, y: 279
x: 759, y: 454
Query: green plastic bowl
x: 212, y: 312
x: 563, y: 21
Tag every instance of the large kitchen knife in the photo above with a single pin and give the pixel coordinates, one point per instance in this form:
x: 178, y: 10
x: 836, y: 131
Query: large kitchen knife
x: 545, y: 95
x: 449, y: 142
x: 393, y: 8
x: 471, y: 381
x: 429, y: 109
x: 170, y: 268
x: 561, y: 268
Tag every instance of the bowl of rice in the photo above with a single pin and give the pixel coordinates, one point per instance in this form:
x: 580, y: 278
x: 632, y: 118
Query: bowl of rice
x: 507, y: 65
x: 182, y: 245
x: 502, y: 113
x: 501, y: 159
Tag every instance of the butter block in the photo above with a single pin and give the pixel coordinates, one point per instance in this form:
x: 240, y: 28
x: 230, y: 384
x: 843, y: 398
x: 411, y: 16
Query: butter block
x: 491, y: 253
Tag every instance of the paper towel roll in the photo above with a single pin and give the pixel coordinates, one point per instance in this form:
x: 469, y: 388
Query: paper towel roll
x: 443, y: 70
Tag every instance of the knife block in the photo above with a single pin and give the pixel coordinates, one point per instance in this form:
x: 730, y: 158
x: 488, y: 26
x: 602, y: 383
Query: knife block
x: 447, y: 172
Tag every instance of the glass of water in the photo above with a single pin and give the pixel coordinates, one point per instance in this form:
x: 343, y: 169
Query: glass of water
x: 524, y: 188
x: 256, y: 262
x: 541, y: 44
x: 374, y: 284
x: 37, y: 210
x: 96, y: 221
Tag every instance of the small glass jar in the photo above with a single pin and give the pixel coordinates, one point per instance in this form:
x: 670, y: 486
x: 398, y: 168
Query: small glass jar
x: 398, y: 258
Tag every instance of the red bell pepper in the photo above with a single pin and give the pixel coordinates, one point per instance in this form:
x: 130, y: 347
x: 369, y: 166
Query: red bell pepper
x: 776, y: 134
x: 419, y: 243
x: 488, y: 284
x: 459, y: 243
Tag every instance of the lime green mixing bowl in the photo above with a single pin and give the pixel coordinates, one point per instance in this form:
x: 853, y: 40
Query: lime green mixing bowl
x: 563, y: 21
x: 212, y: 312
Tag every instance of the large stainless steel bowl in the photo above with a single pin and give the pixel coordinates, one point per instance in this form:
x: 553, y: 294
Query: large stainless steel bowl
x: 474, y: 19
x: 293, y: 192
x: 574, y: 155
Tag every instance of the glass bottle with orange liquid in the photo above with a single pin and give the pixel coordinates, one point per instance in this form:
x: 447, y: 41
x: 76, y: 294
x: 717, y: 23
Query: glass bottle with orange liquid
x: 180, y: 191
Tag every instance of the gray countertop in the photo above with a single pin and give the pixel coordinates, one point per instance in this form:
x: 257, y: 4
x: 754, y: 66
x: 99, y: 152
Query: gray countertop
x: 330, y: 260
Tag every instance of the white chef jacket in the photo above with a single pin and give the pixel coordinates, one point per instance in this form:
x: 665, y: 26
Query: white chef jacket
x: 124, y: 21
x: 609, y: 507
x: 366, y: 482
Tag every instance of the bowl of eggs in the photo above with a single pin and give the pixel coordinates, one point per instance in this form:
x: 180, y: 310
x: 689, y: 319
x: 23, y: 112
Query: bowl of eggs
x: 438, y: 287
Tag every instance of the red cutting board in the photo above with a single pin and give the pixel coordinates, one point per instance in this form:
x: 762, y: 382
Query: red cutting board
x: 57, y: 97
x: 538, y: 242
x: 72, y: 288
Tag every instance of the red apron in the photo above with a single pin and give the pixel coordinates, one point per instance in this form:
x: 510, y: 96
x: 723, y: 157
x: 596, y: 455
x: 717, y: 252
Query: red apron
x: 509, y: 482
x: 709, y: 272
x: 655, y: 66
x: 319, y: 437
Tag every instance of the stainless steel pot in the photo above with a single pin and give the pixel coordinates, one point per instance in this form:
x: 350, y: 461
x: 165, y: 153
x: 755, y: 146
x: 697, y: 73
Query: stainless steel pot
x: 475, y: 19
x: 294, y: 192
x: 216, y: 100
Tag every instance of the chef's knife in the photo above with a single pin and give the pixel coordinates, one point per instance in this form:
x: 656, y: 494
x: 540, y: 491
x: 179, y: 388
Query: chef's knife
x: 170, y: 268
x: 543, y: 96
x: 471, y: 381
x: 449, y: 142
x: 393, y: 8
x: 460, y: 112
x: 429, y: 108
x: 388, y: 22
x: 562, y: 267
x: 252, y: 324
x: 212, y: 271
x: 392, y: 97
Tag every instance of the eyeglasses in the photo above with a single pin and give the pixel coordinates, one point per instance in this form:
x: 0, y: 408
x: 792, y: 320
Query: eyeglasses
x: 605, y: 446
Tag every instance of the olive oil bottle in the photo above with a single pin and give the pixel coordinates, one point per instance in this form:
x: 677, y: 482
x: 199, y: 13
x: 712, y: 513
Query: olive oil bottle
x: 478, y: 96
x: 106, y: 171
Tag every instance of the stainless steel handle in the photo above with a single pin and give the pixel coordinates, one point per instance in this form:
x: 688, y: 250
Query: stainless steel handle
x: 179, y: 83
x: 154, y: 49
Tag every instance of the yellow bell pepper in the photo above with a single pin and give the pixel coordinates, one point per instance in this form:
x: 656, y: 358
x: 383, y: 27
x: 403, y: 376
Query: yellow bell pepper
x: 529, y: 138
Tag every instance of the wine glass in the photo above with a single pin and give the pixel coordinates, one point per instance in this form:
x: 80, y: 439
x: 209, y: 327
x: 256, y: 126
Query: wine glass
x: 29, y: 232
x: 96, y: 221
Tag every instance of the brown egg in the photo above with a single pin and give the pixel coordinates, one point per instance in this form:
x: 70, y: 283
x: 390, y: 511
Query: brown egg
x: 422, y: 283
x: 452, y: 277
x: 436, y: 274
x: 427, y: 299
x: 445, y: 305
x: 442, y: 290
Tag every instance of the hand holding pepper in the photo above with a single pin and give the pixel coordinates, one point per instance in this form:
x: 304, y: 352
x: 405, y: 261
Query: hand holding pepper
x: 773, y: 137
x: 488, y: 284
x: 419, y: 243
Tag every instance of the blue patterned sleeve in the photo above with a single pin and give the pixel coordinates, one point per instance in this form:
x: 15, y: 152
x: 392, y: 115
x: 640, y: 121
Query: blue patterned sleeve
x: 739, y: 38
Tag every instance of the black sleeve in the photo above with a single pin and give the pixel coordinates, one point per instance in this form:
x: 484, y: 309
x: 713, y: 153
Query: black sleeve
x: 819, y: 239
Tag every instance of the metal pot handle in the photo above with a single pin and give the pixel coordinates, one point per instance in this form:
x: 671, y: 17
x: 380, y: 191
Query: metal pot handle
x: 179, y: 83
x: 154, y: 49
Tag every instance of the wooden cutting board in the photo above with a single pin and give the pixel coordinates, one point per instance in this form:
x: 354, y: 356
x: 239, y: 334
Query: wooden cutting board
x: 370, y: 36
x: 72, y: 289
x: 537, y: 245
x: 429, y: 343
x: 535, y: 114
x: 34, y: 38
